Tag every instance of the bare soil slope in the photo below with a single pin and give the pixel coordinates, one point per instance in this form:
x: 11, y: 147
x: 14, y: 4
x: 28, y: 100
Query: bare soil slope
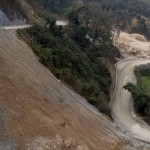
x: 37, y: 112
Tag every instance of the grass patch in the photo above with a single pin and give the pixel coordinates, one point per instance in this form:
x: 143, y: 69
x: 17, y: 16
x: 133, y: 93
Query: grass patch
x: 145, y: 84
x: 141, y: 91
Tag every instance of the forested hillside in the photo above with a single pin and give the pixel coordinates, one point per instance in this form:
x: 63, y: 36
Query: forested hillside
x: 40, y: 107
x: 88, y: 19
x: 93, y: 18
x: 69, y: 52
x: 72, y: 56
x: 128, y: 15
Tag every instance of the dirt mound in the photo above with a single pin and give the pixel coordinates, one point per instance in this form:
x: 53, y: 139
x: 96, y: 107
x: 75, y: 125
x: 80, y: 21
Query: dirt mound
x: 39, y: 112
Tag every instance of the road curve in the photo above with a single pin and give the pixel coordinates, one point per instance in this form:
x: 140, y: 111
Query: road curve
x: 122, y: 107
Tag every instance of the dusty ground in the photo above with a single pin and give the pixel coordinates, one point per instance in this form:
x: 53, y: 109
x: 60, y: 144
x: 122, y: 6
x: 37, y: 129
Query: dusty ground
x: 37, y: 112
x: 133, y: 45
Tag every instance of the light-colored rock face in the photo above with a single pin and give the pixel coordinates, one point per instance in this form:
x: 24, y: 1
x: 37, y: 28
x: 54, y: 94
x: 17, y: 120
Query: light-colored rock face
x: 5, y: 21
x: 133, y: 45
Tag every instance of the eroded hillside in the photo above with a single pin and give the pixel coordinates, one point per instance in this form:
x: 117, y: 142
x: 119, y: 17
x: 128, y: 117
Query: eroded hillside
x: 39, y: 112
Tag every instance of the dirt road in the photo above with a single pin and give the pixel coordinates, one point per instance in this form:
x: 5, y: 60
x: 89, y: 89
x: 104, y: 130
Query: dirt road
x: 122, y: 105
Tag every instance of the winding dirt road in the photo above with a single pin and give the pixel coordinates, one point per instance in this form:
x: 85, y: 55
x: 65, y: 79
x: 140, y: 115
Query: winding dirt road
x: 122, y: 106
